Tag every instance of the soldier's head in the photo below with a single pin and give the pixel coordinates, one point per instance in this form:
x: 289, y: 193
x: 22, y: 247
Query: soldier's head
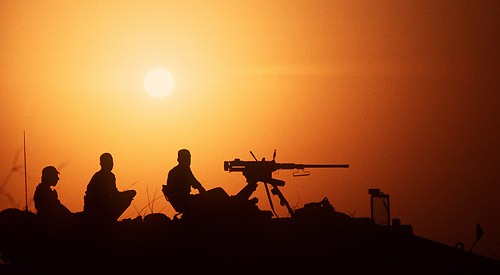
x: 184, y: 157
x: 50, y: 175
x: 106, y: 162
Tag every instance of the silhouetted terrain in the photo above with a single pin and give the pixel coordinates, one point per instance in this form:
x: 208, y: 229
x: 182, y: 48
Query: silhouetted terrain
x: 314, y: 240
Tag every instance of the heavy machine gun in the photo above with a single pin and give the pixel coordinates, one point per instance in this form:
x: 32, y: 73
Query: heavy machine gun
x: 255, y: 171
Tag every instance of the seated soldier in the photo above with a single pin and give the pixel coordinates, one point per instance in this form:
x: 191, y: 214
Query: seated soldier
x: 47, y: 203
x: 103, y: 202
x: 178, y: 190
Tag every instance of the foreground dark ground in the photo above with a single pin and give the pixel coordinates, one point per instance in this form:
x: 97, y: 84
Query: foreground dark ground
x: 317, y: 240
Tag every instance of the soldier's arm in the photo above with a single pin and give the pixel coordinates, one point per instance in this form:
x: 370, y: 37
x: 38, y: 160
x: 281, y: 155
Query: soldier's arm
x: 196, y: 184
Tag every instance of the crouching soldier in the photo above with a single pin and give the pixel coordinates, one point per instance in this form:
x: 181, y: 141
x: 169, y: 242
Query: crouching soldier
x: 50, y: 209
x: 103, y: 202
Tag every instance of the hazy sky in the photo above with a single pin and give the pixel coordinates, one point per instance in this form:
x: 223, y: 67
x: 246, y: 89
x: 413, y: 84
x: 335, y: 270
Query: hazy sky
x: 406, y: 92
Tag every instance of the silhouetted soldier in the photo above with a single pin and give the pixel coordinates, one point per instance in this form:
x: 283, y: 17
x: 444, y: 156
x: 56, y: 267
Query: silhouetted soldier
x: 103, y: 201
x: 178, y: 189
x: 47, y: 203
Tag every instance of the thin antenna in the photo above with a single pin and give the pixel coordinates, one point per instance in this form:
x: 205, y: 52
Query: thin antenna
x: 25, y: 177
x: 253, y: 156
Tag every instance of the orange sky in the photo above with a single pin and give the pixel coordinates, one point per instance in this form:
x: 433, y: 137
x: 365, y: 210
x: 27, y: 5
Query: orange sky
x: 406, y: 92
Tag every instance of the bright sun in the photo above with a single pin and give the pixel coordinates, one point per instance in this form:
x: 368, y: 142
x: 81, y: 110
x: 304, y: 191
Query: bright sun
x: 159, y: 82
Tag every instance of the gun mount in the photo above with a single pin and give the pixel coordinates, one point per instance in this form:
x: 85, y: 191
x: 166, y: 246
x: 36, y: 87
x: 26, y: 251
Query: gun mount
x: 261, y: 171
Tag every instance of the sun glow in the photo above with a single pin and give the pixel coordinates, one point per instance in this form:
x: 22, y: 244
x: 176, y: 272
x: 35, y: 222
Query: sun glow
x: 159, y: 82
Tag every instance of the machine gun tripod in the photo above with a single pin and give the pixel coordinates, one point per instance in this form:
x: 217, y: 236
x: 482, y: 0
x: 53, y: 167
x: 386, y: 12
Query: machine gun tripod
x: 255, y: 171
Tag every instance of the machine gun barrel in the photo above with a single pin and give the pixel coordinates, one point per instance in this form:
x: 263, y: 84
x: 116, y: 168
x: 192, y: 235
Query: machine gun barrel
x: 302, y: 166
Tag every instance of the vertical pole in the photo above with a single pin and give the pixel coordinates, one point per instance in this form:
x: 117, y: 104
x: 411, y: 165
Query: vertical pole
x: 25, y: 178
x: 388, y: 211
